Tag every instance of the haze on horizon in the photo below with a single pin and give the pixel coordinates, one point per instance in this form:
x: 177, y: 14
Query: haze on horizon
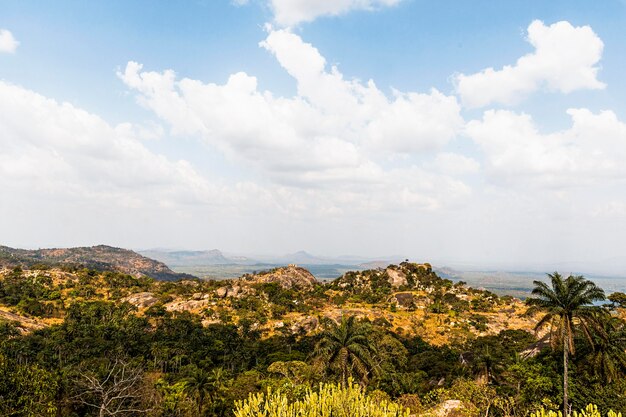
x: 459, y: 132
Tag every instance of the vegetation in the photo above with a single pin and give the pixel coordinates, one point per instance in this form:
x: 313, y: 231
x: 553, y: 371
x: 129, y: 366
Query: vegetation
x: 341, y: 400
x: 567, y: 304
x: 104, y: 343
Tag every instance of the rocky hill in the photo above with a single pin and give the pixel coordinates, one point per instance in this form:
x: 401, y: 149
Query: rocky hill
x: 290, y: 277
x: 408, y: 298
x: 100, y: 258
x: 405, y: 276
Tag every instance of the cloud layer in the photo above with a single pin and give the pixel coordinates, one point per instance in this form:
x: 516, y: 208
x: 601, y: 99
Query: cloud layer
x: 565, y: 59
x: 341, y: 153
x: 333, y: 135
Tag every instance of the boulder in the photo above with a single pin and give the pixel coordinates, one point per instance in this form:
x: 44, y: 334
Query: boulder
x: 142, y: 299
x: 396, y: 278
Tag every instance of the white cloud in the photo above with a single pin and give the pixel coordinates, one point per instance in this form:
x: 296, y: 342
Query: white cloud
x: 454, y: 164
x: 56, y: 149
x: 328, y: 137
x: 565, y: 59
x: 591, y: 151
x: 292, y: 12
x: 8, y: 43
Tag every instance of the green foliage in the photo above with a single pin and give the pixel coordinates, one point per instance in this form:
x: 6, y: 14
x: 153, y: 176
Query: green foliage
x: 566, y: 305
x: 346, y: 350
x: 617, y: 299
x: 26, y: 390
x: 190, y: 369
x: 334, y: 400
x: 590, y: 411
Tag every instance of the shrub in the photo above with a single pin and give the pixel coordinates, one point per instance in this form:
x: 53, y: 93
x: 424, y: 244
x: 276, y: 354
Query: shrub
x: 331, y: 400
x: 589, y: 411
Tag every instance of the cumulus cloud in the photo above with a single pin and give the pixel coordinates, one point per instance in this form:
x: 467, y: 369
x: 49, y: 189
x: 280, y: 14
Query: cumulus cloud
x: 328, y: 135
x: 565, y: 59
x: 292, y: 12
x: 56, y: 149
x: 8, y: 44
x: 591, y: 151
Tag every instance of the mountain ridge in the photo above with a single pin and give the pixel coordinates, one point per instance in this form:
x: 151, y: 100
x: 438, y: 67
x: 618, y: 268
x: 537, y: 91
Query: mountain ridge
x: 99, y: 257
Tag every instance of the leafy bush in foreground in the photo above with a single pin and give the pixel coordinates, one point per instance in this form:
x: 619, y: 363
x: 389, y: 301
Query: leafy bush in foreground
x: 589, y: 411
x: 333, y: 400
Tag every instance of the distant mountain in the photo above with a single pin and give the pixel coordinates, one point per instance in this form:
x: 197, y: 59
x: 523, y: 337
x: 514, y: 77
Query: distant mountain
x: 303, y: 258
x: 102, y: 258
x: 192, y: 258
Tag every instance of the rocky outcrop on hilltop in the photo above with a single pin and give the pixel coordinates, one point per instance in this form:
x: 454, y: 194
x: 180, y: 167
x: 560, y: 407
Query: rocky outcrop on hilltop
x: 101, y: 258
x: 290, y: 277
x: 406, y: 275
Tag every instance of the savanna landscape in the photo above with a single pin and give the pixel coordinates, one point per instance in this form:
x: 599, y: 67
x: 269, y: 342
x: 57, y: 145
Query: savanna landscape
x: 312, y: 208
x: 399, y: 340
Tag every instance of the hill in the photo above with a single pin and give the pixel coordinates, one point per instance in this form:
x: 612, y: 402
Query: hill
x: 428, y: 341
x: 190, y: 258
x: 100, y: 258
x: 409, y: 298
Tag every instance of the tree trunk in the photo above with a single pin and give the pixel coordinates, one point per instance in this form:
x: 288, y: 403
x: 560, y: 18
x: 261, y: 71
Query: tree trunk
x: 565, y: 352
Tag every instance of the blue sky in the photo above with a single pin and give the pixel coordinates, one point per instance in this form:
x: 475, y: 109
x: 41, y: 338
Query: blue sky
x: 255, y: 144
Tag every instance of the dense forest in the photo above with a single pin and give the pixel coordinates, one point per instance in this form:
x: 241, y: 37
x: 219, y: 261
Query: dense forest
x: 79, y: 342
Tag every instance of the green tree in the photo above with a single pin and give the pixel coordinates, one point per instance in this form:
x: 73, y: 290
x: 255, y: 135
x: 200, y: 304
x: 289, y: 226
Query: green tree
x: 608, y: 355
x: 566, y: 304
x: 617, y: 299
x: 347, y: 349
x: 199, y: 385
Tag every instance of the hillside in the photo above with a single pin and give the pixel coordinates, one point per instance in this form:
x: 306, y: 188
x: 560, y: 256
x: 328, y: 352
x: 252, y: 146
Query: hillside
x: 408, y: 298
x: 100, y: 258
x: 432, y: 345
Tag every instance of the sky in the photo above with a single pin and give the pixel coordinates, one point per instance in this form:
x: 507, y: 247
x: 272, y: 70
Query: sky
x: 485, y: 132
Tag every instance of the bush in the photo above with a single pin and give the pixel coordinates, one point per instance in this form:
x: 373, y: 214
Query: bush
x: 331, y: 400
x: 589, y: 411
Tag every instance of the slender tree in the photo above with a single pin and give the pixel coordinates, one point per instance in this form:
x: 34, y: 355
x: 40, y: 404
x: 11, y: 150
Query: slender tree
x: 567, y: 304
x: 347, y: 349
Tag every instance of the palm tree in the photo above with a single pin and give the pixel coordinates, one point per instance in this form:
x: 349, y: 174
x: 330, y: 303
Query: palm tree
x: 347, y: 349
x: 608, y: 356
x: 567, y: 304
x: 199, y: 384
x: 219, y: 381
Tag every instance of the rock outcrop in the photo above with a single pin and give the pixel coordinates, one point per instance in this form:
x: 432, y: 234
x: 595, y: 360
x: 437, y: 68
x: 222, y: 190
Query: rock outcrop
x: 396, y: 278
x: 141, y: 299
x: 290, y: 277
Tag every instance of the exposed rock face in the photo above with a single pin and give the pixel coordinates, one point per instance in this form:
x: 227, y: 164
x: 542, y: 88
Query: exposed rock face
x: 405, y: 299
x: 305, y: 325
x: 102, y: 258
x: 396, y: 278
x: 186, y: 305
x: 450, y: 408
x: 25, y: 323
x: 234, y: 291
x: 291, y: 277
x: 141, y: 299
